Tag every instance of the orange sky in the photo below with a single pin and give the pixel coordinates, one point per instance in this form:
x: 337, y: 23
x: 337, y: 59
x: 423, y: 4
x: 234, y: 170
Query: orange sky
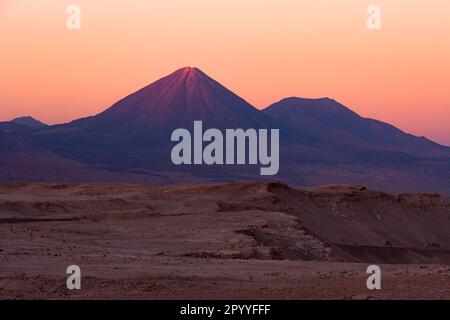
x: 264, y: 50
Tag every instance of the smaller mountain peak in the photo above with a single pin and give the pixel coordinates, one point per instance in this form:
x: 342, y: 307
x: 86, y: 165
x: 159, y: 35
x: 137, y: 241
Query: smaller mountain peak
x: 298, y: 99
x: 28, y: 121
x: 320, y: 107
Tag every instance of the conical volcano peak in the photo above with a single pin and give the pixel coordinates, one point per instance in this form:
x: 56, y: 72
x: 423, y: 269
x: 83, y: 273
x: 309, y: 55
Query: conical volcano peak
x: 190, y: 73
x: 180, y: 98
x: 188, y: 70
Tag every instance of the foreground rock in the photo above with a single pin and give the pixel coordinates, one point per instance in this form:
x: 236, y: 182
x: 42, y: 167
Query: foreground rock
x: 256, y: 240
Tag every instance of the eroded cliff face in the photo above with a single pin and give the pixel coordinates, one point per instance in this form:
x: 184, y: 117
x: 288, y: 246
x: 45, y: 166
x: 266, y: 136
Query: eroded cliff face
x: 245, y: 221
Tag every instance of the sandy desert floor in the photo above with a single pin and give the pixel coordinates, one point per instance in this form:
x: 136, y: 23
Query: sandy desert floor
x: 239, y: 241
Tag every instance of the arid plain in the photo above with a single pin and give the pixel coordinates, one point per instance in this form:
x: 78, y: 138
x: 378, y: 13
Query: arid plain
x: 232, y: 241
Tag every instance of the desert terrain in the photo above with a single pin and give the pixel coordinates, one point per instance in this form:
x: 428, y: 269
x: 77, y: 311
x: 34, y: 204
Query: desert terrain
x: 262, y: 240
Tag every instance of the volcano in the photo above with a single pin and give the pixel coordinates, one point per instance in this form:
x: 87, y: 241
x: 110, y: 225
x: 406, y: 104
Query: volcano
x: 178, y: 99
x: 148, y: 116
x: 136, y: 131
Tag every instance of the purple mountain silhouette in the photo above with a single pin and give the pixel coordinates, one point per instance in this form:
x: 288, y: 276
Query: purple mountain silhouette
x: 29, y: 121
x: 14, y: 134
x: 135, y: 131
x: 148, y: 116
x: 330, y: 121
x: 178, y: 99
x: 321, y: 141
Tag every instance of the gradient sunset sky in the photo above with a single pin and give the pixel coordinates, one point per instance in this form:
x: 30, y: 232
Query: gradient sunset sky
x: 262, y: 50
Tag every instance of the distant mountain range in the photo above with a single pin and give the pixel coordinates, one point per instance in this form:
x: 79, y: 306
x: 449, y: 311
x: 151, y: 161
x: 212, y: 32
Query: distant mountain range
x: 322, y: 142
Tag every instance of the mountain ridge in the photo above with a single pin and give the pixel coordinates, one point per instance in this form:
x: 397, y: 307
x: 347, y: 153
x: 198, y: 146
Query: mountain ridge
x: 331, y: 121
x: 321, y: 140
